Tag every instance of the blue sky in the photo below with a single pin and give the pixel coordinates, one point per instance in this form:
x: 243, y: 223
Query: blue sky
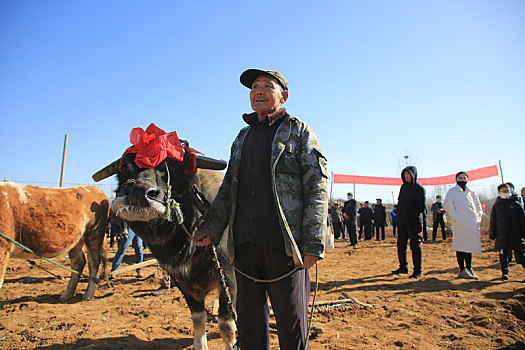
x: 441, y: 81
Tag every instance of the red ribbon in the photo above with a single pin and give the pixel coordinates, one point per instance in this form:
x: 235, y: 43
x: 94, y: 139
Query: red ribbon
x: 476, y: 174
x: 154, y: 145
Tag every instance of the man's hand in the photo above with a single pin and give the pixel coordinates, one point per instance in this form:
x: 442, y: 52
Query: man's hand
x: 309, y: 261
x: 201, y: 238
x: 345, y: 215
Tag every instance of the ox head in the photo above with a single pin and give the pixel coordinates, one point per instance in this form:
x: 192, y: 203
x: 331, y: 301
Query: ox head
x: 145, y: 194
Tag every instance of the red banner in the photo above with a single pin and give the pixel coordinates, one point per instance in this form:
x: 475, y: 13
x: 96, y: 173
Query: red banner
x: 476, y: 174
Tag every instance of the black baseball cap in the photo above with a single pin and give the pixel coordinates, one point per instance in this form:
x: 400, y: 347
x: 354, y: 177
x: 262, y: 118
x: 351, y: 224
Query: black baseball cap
x: 249, y: 76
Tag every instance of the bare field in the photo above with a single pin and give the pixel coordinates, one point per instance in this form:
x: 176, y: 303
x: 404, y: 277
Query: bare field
x: 437, y: 312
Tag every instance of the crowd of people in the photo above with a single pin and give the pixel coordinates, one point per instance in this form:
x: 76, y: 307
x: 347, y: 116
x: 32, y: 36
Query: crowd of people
x: 409, y: 224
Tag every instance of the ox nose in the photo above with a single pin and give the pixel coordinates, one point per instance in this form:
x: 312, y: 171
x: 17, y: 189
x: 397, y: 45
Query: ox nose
x: 141, y: 194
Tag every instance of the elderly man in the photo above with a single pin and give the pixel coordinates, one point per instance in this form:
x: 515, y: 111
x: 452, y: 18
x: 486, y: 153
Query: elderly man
x: 274, y: 199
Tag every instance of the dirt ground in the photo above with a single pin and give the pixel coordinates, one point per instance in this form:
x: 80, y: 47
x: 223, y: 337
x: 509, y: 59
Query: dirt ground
x: 437, y: 312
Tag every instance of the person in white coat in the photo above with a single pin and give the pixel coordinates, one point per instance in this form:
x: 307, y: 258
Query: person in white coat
x: 465, y: 211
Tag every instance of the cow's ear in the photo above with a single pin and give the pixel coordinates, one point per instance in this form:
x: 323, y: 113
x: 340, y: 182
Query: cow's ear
x: 104, y: 173
x: 210, y: 163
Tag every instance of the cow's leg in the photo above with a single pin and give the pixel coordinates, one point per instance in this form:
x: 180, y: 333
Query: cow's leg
x: 227, y: 325
x: 199, y: 317
x: 96, y: 254
x: 78, y: 260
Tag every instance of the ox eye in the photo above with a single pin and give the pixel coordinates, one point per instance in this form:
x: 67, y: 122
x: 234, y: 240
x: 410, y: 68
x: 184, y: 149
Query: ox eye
x: 126, y: 186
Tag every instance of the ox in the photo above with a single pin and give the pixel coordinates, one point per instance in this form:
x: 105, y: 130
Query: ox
x: 157, y: 202
x: 53, y: 222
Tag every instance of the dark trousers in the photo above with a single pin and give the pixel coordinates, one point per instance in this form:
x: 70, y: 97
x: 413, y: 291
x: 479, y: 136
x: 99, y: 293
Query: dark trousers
x: 464, y: 260
x: 425, y: 236
x: 289, y: 298
x: 351, y: 227
x: 505, y: 255
x: 412, y: 232
x: 367, y: 230
x: 380, y: 226
x: 441, y: 223
x: 394, y: 227
x: 338, y: 229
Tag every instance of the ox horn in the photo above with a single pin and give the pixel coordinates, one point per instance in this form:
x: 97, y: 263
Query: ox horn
x: 106, y: 172
x: 210, y: 163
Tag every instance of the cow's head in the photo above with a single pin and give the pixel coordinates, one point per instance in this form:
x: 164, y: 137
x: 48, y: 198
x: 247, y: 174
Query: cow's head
x: 155, y: 191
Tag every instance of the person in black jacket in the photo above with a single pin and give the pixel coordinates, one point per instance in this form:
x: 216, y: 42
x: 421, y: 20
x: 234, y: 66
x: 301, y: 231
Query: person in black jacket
x: 380, y: 219
x: 410, y: 206
x: 350, y: 215
x: 366, y: 215
x: 337, y: 221
x: 507, y: 227
x: 437, y: 217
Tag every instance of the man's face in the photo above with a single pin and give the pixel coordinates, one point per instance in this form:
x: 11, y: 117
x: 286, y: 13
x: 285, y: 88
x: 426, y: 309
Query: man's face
x: 366, y: 205
x: 462, y: 177
x: 408, y: 177
x: 504, y: 190
x: 378, y: 202
x: 523, y: 191
x: 266, y: 95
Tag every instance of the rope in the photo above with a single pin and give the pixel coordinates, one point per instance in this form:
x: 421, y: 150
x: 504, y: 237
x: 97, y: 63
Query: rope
x: 313, y: 303
x: 96, y: 279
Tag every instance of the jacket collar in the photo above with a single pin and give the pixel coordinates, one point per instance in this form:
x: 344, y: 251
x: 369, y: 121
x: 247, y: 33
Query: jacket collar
x: 251, y: 118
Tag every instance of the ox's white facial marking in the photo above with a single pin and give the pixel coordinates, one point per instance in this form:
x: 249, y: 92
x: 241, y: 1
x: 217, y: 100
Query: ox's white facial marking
x: 199, y: 327
x: 134, y: 213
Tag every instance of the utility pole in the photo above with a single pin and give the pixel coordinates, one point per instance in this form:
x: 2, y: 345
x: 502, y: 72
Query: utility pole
x: 63, y: 162
x: 501, y: 172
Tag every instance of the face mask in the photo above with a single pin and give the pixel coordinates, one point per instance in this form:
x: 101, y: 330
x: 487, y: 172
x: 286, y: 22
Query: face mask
x: 438, y: 200
x: 349, y: 197
x: 505, y: 195
x: 462, y: 184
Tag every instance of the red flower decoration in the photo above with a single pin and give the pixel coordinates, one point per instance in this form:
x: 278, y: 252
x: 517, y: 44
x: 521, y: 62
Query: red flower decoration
x: 154, y: 145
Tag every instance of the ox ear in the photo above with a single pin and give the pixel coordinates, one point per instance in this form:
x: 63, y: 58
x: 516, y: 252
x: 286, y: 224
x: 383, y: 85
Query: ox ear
x: 210, y: 163
x: 106, y: 172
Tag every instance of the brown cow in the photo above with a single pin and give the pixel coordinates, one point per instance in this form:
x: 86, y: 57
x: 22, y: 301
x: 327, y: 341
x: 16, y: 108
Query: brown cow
x: 53, y: 222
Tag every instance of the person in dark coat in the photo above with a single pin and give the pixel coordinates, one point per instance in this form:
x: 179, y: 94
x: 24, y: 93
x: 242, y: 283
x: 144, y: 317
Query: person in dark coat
x: 513, y: 194
x: 393, y: 217
x: 337, y: 221
x: 507, y: 227
x: 366, y: 214
x: 410, y: 206
x: 350, y: 215
x: 380, y: 219
x: 437, y: 216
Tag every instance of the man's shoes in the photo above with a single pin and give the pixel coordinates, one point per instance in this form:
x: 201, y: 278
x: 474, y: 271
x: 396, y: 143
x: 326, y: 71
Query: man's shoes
x: 355, y: 245
x: 471, y: 272
x: 416, y: 275
x: 465, y: 274
x: 140, y: 274
x: 505, y: 277
x: 399, y: 271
